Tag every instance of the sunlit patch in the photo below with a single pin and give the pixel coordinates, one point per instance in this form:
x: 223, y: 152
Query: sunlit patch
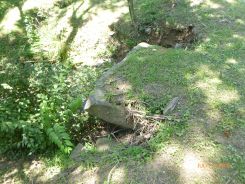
x: 195, y: 2
x: 86, y: 177
x: 31, y: 4
x: 214, y: 94
x: 171, y: 149
x: 240, y: 21
x: 231, y: 61
x: 50, y: 173
x: 34, y: 168
x: 118, y: 175
x: 207, y: 40
x: 103, y: 147
x: 9, y: 176
x: 211, y: 85
x: 81, y: 24
x: 238, y: 36
x: 94, y: 33
x: 231, y: 1
x: 190, y: 163
x: 10, y: 22
x: 213, y: 5
x: 144, y: 45
x: 191, y: 170
x: 228, y: 45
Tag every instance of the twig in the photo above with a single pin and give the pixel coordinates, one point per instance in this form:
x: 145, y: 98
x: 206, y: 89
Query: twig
x: 110, y: 173
x: 115, y: 138
x: 157, y: 117
x: 153, y: 117
x: 112, y: 133
x: 171, y: 105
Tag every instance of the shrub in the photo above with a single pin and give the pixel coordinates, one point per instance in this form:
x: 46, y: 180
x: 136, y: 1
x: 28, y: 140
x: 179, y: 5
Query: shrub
x: 37, y: 103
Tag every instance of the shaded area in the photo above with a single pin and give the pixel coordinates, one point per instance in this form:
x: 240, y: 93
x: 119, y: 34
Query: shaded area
x: 34, y: 91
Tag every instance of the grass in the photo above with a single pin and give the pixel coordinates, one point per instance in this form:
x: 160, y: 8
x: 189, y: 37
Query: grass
x: 209, y: 78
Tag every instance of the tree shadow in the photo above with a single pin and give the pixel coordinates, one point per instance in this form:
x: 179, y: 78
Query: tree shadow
x: 77, y: 21
x: 113, y: 163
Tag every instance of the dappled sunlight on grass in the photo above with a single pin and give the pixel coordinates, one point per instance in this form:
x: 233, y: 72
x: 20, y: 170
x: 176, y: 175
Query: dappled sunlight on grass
x: 48, y: 173
x: 213, y: 88
x: 118, y: 176
x: 231, y: 61
x: 32, y: 4
x: 192, y: 172
x: 231, y: 1
x: 81, y: 23
x: 10, y: 22
x: 195, y: 2
x: 87, y: 176
x: 212, y: 4
x: 94, y: 35
x: 240, y: 21
x: 240, y: 37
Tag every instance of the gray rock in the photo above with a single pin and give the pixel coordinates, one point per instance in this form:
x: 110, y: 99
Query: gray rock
x: 99, y: 105
x: 148, y: 30
x: 178, y: 45
x: 76, y: 152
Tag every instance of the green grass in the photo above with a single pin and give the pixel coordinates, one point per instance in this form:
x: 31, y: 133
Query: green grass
x: 208, y: 77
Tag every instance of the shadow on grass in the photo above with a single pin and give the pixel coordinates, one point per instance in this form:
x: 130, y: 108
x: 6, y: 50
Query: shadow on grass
x: 77, y: 21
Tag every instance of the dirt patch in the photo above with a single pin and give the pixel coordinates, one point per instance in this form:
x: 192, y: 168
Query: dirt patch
x: 236, y: 138
x: 156, y: 90
x: 125, y: 37
x: 171, y: 37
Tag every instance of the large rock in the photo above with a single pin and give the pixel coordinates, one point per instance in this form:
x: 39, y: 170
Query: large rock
x: 98, y: 106
x: 76, y: 153
x: 98, y: 103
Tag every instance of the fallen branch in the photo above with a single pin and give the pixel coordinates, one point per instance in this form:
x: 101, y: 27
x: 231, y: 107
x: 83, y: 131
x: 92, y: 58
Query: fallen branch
x: 142, y: 114
x: 111, y: 133
x: 110, y: 173
x: 171, y: 105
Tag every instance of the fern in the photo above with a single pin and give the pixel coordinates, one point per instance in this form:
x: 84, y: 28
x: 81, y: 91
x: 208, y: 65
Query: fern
x: 38, y: 102
x: 58, y: 136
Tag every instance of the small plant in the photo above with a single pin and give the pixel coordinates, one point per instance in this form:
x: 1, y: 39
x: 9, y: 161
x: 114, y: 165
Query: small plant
x: 237, y: 161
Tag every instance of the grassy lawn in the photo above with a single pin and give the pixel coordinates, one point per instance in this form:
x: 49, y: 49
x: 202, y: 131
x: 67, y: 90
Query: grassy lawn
x: 204, y: 142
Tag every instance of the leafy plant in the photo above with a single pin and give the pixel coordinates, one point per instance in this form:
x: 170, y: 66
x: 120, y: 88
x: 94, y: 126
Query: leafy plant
x: 37, y: 103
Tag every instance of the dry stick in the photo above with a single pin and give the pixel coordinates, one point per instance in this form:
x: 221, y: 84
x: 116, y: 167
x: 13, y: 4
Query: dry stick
x: 112, y: 133
x: 110, y: 173
x: 154, y: 117
x: 115, y: 137
x: 171, y: 105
